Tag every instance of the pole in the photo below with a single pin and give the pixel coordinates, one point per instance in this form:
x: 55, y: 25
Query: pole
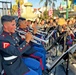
x: 66, y: 9
x: 11, y: 8
x: 19, y: 11
x: 67, y: 61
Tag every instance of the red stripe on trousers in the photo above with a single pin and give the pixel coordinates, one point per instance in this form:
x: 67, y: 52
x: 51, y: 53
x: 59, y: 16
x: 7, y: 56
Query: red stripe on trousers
x: 41, y: 64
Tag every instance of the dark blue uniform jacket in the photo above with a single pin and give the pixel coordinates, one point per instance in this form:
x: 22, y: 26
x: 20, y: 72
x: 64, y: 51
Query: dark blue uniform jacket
x: 12, y: 45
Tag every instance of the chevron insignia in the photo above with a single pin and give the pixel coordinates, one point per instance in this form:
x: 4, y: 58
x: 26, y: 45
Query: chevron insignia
x: 5, y: 45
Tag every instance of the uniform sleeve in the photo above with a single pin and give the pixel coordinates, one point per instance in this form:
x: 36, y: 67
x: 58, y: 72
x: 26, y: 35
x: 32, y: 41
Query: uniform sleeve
x: 12, y: 50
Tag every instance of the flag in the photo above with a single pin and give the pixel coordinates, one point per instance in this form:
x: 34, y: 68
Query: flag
x: 50, y: 13
x: 69, y: 3
x: 60, y: 7
x: 19, y: 14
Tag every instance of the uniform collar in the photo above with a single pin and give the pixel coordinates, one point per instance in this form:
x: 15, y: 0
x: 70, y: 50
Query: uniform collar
x: 6, y: 33
x: 24, y: 29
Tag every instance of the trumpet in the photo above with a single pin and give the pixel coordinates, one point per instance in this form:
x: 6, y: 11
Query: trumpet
x: 35, y: 39
x: 50, y: 34
x: 42, y: 32
x: 38, y: 31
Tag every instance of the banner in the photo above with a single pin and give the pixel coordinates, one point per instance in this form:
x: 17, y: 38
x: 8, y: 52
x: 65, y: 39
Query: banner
x: 69, y: 3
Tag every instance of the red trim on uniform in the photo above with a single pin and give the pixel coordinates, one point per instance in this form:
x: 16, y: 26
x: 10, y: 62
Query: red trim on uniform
x: 23, y: 39
x: 4, y: 73
x: 23, y: 47
x: 72, y: 36
x: 68, y: 47
x: 38, y: 58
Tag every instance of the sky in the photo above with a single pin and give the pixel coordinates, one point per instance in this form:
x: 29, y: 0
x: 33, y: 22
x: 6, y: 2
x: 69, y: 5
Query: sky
x: 35, y: 3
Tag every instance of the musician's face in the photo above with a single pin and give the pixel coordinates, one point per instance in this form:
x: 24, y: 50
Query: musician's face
x: 28, y: 23
x: 70, y: 22
x: 42, y: 22
x: 51, y: 21
x: 10, y: 26
x: 23, y: 24
x: 57, y: 20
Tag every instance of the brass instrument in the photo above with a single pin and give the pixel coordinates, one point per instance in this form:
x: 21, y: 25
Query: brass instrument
x: 35, y: 39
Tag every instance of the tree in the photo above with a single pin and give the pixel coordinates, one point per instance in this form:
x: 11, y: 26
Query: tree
x: 56, y: 12
x: 44, y: 15
x: 49, y: 2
